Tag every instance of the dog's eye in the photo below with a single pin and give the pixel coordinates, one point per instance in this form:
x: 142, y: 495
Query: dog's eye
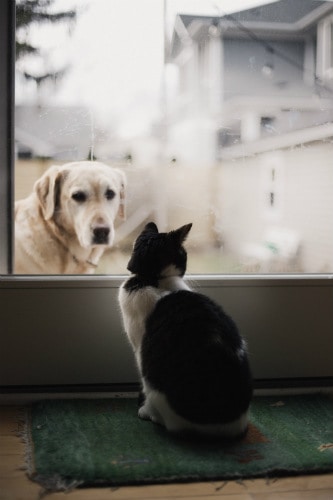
x: 109, y: 194
x: 79, y: 196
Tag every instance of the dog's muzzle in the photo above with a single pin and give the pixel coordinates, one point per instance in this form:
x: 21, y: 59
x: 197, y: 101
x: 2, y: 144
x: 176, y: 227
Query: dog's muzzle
x: 101, y: 235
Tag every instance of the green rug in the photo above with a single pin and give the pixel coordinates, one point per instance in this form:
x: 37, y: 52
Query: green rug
x: 103, y: 442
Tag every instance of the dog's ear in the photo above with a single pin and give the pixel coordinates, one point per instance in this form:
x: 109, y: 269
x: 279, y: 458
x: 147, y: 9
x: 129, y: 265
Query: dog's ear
x: 122, y: 204
x: 46, y: 189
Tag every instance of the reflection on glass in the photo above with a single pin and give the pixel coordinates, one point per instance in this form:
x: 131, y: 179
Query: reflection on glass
x: 219, y: 113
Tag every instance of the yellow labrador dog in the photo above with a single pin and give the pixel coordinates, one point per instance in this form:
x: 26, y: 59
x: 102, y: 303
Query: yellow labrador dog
x: 66, y: 223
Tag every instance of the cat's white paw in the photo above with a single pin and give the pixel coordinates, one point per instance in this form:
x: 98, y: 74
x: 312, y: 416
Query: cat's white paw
x: 144, y: 413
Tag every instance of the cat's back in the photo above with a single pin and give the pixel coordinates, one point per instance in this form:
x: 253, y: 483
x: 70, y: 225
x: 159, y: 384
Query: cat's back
x: 189, y: 317
x: 193, y: 353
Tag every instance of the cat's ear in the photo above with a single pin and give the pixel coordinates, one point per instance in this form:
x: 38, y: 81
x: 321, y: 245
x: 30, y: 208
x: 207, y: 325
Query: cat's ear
x: 180, y: 234
x: 151, y: 228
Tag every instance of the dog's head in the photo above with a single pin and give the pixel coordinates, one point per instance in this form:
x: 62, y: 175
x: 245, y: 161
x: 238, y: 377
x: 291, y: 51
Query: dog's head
x: 83, y: 200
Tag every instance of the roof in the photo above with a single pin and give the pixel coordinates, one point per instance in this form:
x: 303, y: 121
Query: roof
x: 283, y: 18
x: 53, y: 132
x: 283, y: 11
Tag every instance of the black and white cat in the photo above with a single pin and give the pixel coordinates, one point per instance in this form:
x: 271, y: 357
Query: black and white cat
x: 192, y: 361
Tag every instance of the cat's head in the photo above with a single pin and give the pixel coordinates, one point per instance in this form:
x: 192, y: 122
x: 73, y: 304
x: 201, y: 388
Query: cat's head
x: 157, y: 254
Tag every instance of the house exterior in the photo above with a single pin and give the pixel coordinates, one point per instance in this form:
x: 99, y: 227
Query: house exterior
x: 61, y: 133
x: 254, y: 73
x: 255, y: 105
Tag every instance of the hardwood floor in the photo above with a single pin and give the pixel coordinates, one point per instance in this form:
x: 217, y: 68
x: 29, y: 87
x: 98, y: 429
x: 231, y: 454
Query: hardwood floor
x: 14, y: 484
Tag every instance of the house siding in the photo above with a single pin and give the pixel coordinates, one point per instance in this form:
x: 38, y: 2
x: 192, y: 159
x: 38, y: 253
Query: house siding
x: 306, y: 207
x: 244, y: 61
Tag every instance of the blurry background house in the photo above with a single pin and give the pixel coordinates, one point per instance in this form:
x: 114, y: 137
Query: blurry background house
x: 255, y: 99
x: 238, y: 140
x: 35, y: 137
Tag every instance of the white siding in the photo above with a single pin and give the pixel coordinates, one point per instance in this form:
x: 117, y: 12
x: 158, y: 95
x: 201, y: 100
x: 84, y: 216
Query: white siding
x: 306, y: 206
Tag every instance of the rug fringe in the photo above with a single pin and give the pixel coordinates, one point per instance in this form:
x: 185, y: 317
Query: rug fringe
x: 23, y: 425
x: 55, y: 484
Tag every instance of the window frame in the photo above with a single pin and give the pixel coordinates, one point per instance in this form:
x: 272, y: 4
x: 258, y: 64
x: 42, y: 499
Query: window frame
x: 7, y: 62
x: 43, y: 345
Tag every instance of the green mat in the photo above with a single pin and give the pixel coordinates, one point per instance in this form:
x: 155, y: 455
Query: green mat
x: 103, y: 442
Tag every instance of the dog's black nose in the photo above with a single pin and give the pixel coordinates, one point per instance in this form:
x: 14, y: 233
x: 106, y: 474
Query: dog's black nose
x: 101, y: 235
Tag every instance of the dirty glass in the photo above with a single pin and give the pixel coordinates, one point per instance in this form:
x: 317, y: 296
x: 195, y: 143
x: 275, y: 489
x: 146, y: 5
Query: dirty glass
x: 218, y: 113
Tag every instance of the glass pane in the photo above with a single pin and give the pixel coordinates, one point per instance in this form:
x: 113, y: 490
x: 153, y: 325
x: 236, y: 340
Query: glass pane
x: 211, y: 109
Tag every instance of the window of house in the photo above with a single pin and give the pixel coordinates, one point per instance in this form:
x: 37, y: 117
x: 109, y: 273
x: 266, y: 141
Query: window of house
x: 166, y: 94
